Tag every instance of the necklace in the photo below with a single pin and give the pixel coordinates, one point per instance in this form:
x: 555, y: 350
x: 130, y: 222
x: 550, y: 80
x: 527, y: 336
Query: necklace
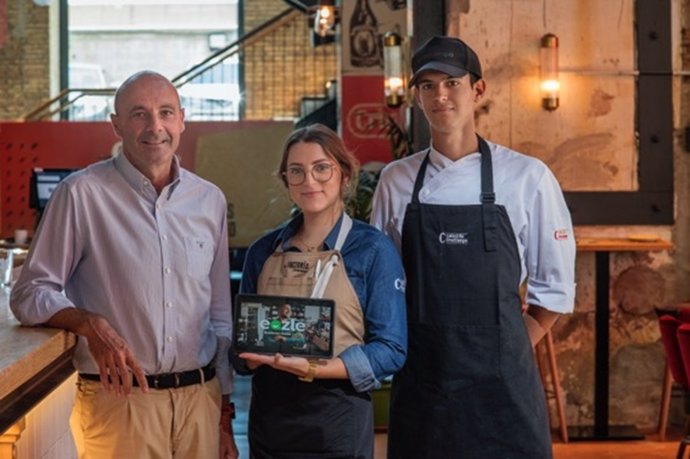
x: 303, y: 244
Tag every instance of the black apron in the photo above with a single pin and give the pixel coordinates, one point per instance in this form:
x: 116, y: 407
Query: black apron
x: 327, y: 419
x: 469, y: 387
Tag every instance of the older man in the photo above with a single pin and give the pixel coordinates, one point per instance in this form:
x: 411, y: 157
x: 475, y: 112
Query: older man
x: 131, y: 255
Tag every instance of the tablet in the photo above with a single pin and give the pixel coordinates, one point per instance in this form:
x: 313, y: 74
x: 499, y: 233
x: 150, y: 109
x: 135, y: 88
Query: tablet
x: 292, y: 326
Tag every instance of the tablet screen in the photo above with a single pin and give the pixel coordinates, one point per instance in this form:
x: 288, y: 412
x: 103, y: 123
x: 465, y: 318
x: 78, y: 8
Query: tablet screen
x: 292, y: 326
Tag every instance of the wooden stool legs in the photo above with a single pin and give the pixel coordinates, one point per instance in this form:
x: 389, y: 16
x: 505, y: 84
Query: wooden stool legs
x: 557, y: 392
x: 665, y: 403
x: 685, y: 440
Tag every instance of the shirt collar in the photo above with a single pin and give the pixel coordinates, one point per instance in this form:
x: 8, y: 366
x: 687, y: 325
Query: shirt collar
x: 291, y: 228
x: 138, y: 181
x: 440, y: 161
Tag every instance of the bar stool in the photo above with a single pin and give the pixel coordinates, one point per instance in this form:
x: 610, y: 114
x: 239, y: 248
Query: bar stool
x: 674, y: 327
x: 545, y: 351
x: 668, y: 383
x: 666, y: 390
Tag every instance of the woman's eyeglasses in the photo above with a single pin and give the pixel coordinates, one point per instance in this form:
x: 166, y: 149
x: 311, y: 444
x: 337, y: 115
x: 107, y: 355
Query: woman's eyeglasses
x: 321, y: 172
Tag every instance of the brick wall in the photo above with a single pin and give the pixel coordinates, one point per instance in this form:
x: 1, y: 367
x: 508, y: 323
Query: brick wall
x: 258, y: 11
x: 24, y: 59
x: 283, y: 67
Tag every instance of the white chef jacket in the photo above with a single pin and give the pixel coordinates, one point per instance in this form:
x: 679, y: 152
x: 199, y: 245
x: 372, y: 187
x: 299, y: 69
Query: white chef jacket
x: 523, y: 185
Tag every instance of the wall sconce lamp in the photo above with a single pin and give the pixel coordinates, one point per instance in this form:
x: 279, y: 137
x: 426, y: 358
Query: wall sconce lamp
x: 393, y: 75
x: 550, y: 85
x: 325, y: 18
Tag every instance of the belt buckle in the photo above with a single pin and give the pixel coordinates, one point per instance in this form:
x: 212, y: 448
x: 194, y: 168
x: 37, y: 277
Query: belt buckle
x: 177, y: 380
x: 155, y: 382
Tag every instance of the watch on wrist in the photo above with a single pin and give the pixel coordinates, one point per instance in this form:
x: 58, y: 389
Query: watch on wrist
x: 227, y: 414
x: 227, y: 410
x: 311, y: 372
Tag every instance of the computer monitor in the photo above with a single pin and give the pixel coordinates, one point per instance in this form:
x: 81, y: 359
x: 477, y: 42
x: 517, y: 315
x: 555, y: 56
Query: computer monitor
x: 43, y: 183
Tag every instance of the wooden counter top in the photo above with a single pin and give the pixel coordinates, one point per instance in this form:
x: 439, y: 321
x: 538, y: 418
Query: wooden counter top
x: 30, y: 358
x: 590, y: 244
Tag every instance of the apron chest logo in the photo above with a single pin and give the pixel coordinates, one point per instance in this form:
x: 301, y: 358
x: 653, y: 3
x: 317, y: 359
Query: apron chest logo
x: 299, y: 266
x: 453, y: 238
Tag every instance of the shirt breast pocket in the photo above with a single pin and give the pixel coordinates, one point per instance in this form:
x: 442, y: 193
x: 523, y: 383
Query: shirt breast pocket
x: 199, y: 253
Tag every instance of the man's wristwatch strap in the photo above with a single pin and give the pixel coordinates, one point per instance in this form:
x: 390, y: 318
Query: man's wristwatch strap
x: 227, y: 410
x: 311, y: 372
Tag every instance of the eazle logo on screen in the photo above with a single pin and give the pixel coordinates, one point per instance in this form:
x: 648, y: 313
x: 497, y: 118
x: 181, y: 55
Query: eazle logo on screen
x: 289, y: 325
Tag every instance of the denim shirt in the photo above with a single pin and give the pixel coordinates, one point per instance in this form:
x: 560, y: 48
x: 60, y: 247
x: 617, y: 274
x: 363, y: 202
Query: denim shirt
x: 376, y: 273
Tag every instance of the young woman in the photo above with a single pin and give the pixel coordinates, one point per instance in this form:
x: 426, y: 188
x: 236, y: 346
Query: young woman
x: 305, y: 408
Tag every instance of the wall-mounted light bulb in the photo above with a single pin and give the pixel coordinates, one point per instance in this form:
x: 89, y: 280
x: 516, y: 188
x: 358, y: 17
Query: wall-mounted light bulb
x: 393, y: 74
x: 324, y: 21
x: 550, y: 84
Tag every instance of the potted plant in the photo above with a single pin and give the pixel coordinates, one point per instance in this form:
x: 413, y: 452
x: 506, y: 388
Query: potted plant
x: 359, y: 204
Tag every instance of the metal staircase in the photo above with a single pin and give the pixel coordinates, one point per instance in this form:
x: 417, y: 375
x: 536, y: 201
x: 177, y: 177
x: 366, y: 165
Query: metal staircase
x: 282, y: 77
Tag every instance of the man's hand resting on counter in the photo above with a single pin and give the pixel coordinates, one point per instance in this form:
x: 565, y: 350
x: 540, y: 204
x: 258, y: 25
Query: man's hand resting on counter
x: 116, y: 361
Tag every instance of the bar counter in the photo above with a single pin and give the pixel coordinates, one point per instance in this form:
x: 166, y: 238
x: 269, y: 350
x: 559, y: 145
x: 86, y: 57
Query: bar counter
x: 33, y: 362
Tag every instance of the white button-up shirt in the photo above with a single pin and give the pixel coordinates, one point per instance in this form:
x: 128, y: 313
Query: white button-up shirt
x: 523, y: 185
x: 155, y: 266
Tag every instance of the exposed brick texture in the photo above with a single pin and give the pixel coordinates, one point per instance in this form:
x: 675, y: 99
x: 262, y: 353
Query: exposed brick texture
x: 283, y: 67
x: 24, y: 60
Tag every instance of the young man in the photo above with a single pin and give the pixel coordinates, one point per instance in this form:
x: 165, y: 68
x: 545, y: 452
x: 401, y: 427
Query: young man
x: 139, y: 247
x: 473, y: 220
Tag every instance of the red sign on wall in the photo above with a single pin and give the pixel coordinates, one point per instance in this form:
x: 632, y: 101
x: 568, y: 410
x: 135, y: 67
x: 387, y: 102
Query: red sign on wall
x: 366, y: 121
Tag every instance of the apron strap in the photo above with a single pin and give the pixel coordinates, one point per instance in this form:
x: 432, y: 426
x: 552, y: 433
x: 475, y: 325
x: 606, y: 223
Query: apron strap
x: 345, y: 228
x: 488, y: 198
x: 324, y: 275
x: 419, y: 182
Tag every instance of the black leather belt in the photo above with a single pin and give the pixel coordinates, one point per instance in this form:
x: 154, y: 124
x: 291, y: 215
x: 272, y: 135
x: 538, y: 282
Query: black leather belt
x: 169, y: 380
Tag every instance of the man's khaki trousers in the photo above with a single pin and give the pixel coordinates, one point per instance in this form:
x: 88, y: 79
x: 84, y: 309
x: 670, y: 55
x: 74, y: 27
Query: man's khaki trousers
x: 169, y: 423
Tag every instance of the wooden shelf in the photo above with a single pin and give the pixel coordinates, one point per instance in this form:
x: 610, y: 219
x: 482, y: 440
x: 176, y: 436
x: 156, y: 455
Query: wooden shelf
x: 590, y: 244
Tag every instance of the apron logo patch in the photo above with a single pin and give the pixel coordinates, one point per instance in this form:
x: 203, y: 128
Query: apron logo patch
x: 299, y: 266
x: 560, y: 235
x: 453, y: 238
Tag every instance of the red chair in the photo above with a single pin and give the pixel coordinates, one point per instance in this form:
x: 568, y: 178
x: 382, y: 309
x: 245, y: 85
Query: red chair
x: 668, y: 326
x: 675, y: 336
x: 681, y: 312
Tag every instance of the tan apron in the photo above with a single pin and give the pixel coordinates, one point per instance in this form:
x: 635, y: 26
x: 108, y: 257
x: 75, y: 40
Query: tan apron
x: 298, y: 273
x: 326, y: 418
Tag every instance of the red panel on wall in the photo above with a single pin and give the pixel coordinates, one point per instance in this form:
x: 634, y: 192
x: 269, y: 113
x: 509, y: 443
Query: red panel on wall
x: 24, y: 146
x: 364, y: 118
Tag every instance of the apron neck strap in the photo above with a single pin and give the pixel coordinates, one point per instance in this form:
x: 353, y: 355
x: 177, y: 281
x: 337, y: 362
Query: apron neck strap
x: 345, y: 228
x: 488, y: 195
x: 419, y: 182
x: 488, y: 198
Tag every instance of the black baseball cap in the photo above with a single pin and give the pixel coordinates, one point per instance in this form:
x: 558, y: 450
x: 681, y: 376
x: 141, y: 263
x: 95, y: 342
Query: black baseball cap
x: 449, y: 55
